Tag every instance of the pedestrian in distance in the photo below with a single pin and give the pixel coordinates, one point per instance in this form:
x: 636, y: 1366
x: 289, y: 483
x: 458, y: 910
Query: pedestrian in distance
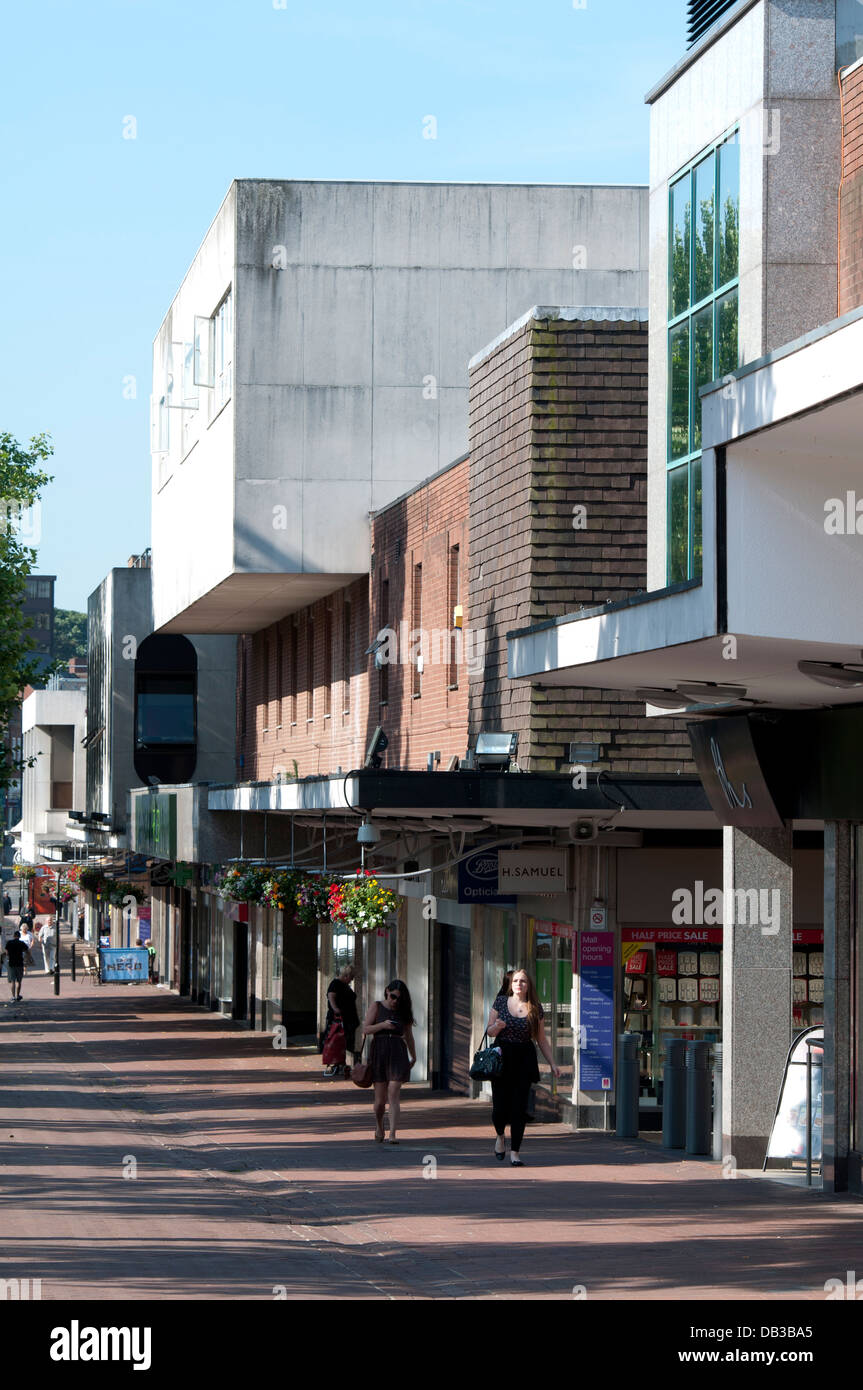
x: 515, y: 1025
x: 7, y: 905
x: 393, y: 1052
x: 16, y: 953
x: 27, y: 937
x: 342, y: 1006
x: 48, y: 941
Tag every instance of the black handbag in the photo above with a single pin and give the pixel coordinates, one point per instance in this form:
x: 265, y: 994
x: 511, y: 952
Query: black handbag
x: 487, y: 1063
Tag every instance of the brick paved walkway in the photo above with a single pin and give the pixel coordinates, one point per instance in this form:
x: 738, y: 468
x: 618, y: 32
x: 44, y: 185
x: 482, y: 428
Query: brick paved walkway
x: 254, y: 1174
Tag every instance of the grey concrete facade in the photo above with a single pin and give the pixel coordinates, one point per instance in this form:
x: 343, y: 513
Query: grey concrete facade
x: 120, y: 617
x: 756, y: 987
x: 355, y: 309
x: 772, y: 72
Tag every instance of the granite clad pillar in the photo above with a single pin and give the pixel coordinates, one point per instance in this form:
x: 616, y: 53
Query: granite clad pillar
x: 756, y: 985
x: 838, y: 932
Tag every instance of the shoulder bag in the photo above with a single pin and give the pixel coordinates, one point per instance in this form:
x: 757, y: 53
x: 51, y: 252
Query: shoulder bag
x: 487, y: 1063
x: 361, y: 1072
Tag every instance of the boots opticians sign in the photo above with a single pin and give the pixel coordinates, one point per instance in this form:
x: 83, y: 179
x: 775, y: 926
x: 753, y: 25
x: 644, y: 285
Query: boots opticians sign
x: 533, y: 871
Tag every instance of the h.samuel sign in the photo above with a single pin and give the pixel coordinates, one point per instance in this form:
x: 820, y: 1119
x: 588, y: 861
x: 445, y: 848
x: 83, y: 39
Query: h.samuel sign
x: 533, y: 871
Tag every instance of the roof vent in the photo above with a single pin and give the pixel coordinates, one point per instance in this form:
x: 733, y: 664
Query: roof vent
x: 703, y: 14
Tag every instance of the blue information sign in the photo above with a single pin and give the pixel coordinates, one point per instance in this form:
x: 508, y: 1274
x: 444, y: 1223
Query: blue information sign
x: 118, y: 966
x: 596, y: 985
x: 477, y: 879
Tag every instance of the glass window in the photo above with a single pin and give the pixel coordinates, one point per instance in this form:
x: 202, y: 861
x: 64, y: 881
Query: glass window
x: 678, y: 341
x: 729, y: 208
x: 678, y: 524
x: 703, y: 342
x: 223, y: 352
x: 165, y: 711
x: 727, y: 359
x: 705, y: 179
x: 697, y: 550
x: 702, y: 363
x: 679, y: 251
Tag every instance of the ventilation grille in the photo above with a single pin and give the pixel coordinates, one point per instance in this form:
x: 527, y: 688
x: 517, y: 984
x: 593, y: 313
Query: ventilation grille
x: 703, y: 14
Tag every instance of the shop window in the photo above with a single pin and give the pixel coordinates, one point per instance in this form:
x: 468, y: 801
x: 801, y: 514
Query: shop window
x: 670, y: 990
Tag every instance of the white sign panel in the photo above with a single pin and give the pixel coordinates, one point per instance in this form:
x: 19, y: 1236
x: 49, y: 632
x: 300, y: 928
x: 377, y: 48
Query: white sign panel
x: 533, y: 871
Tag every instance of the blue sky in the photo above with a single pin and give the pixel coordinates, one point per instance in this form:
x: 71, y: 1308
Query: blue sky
x: 98, y: 230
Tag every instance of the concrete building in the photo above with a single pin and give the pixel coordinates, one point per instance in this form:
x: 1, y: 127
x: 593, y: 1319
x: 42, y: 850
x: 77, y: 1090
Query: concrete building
x: 313, y: 367
x: 154, y: 711
x: 38, y: 610
x: 53, y: 723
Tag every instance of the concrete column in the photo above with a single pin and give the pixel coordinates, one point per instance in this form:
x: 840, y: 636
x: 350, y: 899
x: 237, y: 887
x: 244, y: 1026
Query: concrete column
x: 756, y: 985
x: 838, y: 932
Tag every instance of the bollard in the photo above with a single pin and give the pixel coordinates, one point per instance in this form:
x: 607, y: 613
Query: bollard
x: 73, y: 958
x: 717, y: 1102
x: 626, y: 1109
x: 674, y: 1095
x: 699, y: 1139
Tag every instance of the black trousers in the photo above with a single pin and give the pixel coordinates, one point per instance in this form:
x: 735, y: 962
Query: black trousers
x: 509, y: 1097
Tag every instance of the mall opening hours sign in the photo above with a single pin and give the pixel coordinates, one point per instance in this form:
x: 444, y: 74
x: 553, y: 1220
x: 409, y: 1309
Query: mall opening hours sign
x: 596, y: 997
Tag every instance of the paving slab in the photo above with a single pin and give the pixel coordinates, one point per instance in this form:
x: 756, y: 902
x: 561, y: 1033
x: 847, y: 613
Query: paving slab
x: 153, y: 1150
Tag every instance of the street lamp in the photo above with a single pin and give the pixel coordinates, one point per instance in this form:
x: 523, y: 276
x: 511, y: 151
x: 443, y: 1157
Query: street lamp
x: 57, y: 934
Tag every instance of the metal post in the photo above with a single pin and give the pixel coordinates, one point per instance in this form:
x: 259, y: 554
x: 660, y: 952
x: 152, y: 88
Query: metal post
x: 717, y: 1101
x: 626, y: 1108
x: 698, y: 1137
x: 808, y: 1114
x: 73, y: 959
x: 57, y: 932
x: 674, y: 1095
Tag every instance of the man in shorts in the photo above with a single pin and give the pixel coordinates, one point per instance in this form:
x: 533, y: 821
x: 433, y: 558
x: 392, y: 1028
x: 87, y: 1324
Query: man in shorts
x: 15, y: 953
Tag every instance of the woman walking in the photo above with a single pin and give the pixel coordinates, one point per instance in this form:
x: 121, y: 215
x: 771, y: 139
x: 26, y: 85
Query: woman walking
x: 515, y: 1025
x: 342, y: 1006
x: 393, y: 1052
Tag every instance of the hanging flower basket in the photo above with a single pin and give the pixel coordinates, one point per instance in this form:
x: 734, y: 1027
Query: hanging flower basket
x: 91, y: 880
x: 361, y: 904
x: 117, y: 891
x: 25, y: 871
x: 280, y: 890
x: 244, y: 883
x: 312, y: 900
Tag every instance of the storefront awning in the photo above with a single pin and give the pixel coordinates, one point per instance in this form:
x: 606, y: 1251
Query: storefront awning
x: 474, y: 800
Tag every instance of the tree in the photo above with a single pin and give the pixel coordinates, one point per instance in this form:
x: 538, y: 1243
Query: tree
x: 21, y: 484
x: 70, y: 634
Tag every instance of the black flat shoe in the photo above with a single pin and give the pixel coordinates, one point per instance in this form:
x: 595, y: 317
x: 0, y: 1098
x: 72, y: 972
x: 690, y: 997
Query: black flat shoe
x: 500, y: 1156
x: 516, y: 1162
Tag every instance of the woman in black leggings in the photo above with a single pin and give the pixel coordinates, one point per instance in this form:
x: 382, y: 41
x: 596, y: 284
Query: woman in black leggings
x: 515, y: 1025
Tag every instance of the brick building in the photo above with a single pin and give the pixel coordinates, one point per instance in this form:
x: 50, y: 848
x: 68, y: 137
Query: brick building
x: 851, y: 190
x: 311, y: 693
x: 558, y: 521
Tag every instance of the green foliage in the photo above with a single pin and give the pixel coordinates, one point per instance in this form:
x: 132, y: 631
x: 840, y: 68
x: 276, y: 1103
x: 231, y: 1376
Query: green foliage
x: 21, y: 483
x: 70, y: 634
